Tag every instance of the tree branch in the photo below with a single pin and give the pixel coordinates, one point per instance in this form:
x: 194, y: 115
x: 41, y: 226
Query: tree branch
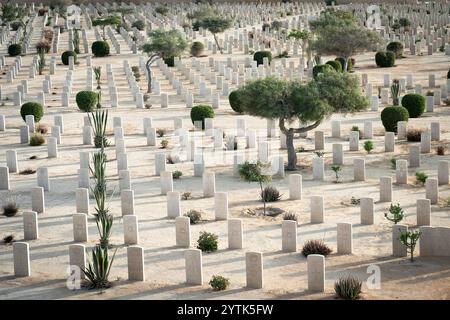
x: 308, y: 128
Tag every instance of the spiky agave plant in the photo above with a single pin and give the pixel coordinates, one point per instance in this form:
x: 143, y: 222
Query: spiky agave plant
x: 104, y: 225
x: 98, y: 121
x: 395, y: 90
x: 98, y: 75
x: 98, y: 269
x: 348, y: 288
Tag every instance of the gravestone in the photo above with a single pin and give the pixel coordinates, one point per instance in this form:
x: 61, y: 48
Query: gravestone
x: 254, y: 270
x: 77, y: 257
x: 80, y: 227
x: 344, y: 238
x: 4, y: 178
x: 401, y: 171
x: 135, y: 261
x: 194, y: 269
x: 235, y: 234
x: 127, y: 202
x: 173, y: 204
x: 30, y: 226
x: 166, y: 181
x: 289, y: 235
x: 423, y: 208
x: 209, y: 184
x: 366, y: 211
x: 443, y: 172
x: 389, y: 142
x: 221, y: 206
x: 316, y: 272
x: 317, y: 209
x: 130, y: 229
x: 414, y: 156
x: 398, y: 249
x: 183, y: 231
x: 432, y: 190
x: 37, y: 200
x: 338, y: 154
x: 295, y: 187
x: 359, y: 169
x: 21, y: 258
x: 385, y: 189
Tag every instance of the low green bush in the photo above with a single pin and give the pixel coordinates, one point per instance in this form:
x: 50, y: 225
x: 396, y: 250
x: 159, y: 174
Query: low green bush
x: 86, y: 100
x: 235, y: 104
x: 200, y: 113
x: 100, y: 48
x: 15, y: 49
x: 197, y: 48
x: 219, y: 283
x: 335, y: 64
x: 321, y: 68
x: 259, y: 56
x: 385, y: 59
x: 32, y: 108
x: 414, y: 103
x: 391, y: 115
x: 396, y: 47
x: 207, y: 242
x: 65, y: 57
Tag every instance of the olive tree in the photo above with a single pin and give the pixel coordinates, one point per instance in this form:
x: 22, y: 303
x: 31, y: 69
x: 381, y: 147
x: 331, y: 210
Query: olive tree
x: 310, y: 103
x: 124, y: 11
x: 305, y: 37
x: 108, y: 21
x: 345, y: 41
x: 215, y: 25
x: 162, y: 45
x: 10, y: 13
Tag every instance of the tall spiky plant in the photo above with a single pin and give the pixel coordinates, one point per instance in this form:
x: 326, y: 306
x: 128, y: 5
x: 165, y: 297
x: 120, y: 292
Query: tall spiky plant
x: 99, y: 267
x: 98, y: 75
x: 395, y: 90
x: 104, y: 225
x: 76, y: 41
x: 98, y: 121
x: 41, y: 61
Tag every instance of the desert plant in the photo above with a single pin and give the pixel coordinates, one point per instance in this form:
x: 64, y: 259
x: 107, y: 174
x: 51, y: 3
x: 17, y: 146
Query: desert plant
x: 319, y: 154
x: 200, y: 113
x: 8, y: 239
x: 336, y: 169
x: 368, y: 146
x: 219, y: 283
x: 348, y: 287
x: 164, y: 143
x: 15, y: 49
x: 138, y: 24
x: 395, y: 90
x: 207, y: 242
x: 315, y: 247
x: 99, y: 121
x: 27, y: 171
x: 98, y: 76
x: 65, y: 57
x: 270, y: 194
x: 421, y: 177
x: 355, y: 201
x: 414, y: 103
x: 37, y: 139
x: 391, y: 115
x: 290, y: 216
x: 197, y: 48
x: 32, y: 108
x: 409, y: 240
x: 41, y: 62
x: 393, y: 163
x: 414, y: 135
x: 10, y: 208
x: 395, y: 213
x: 254, y: 172
x: 260, y: 55
x: 86, y: 100
x: 194, y: 216
x: 161, y: 132
x: 186, y: 195
x: 76, y: 41
x: 177, y: 174
x: 41, y: 128
x: 440, y: 150
x: 100, y: 48
x: 99, y: 267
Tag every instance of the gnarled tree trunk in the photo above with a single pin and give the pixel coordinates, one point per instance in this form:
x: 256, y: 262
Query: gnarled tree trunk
x: 148, y: 64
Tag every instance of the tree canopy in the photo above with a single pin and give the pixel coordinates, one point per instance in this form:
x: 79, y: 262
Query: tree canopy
x: 332, y: 17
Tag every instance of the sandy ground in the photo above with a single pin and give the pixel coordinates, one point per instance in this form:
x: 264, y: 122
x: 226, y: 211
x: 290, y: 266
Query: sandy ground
x: 284, y: 273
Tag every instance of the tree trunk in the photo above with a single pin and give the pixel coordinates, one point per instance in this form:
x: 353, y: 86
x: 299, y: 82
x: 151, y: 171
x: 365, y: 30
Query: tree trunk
x: 149, y: 84
x: 217, y: 43
x: 345, y: 65
x: 292, y: 156
x: 263, y: 198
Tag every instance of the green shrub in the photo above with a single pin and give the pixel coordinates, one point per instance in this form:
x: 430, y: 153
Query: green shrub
x: 170, y: 61
x: 32, y: 108
x: 414, y: 103
x: 86, y: 100
x: 219, y: 283
x: 100, y: 48
x: 260, y: 55
x: 396, y: 47
x: 315, y: 247
x: 235, y: 104
x: 335, y: 64
x: 350, y: 63
x: 177, y: 174
x: 194, y: 216
x: 65, y: 57
x: 368, y: 146
x: 10, y: 208
x: 37, y: 139
x: 207, y: 242
x: 391, y: 115
x: 385, y: 59
x: 270, y: 194
x: 348, y: 288
x: 200, y: 113
x: 15, y: 49
x: 421, y: 177
x: 321, y: 68
x: 395, y: 213
x: 99, y: 267
x: 197, y: 48
x: 15, y: 25
x: 139, y: 24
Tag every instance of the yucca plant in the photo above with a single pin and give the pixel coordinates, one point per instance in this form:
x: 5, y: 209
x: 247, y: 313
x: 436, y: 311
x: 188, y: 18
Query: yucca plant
x: 99, y: 100
x: 97, y: 271
x: 76, y: 41
x: 104, y: 225
x: 98, y: 75
x: 395, y: 90
x: 98, y: 121
x: 348, y: 288
x: 41, y: 61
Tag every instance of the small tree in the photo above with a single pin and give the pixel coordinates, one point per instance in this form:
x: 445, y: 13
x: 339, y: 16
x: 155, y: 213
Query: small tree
x: 122, y: 10
x: 305, y: 37
x: 368, y: 146
x: 254, y: 172
x: 215, y: 25
x: 12, y: 13
x: 345, y: 41
x: 409, y: 240
x: 162, y: 45
x: 395, y: 213
x: 108, y: 21
x: 336, y: 170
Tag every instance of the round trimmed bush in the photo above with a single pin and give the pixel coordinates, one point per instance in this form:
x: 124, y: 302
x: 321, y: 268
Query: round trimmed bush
x: 235, y: 103
x: 414, y: 103
x: 321, y: 68
x: 385, y: 59
x: 335, y: 64
x: 391, y: 115
x: 448, y: 74
x: 32, y: 108
x: 86, y: 100
x: 170, y: 61
x: 350, y: 63
x: 201, y: 112
x: 15, y: 49
x: 100, y: 48
x: 197, y: 48
x: 396, y: 47
x: 15, y: 25
x: 259, y: 56
x: 65, y: 57
x: 139, y: 24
